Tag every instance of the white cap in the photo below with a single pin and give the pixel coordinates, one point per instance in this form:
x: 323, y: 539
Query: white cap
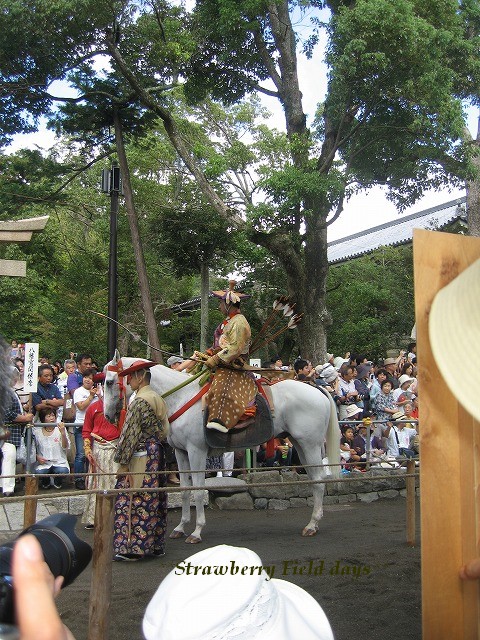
x: 404, y: 379
x: 223, y: 593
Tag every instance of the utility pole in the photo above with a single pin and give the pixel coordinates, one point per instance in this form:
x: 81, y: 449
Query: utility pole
x: 111, y: 184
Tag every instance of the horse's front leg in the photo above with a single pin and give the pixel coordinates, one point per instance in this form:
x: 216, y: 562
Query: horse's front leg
x: 198, y: 481
x: 185, y: 481
x: 312, y: 455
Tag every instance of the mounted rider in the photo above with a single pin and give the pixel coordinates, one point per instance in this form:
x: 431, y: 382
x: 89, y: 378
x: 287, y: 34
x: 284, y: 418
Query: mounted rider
x: 233, y: 389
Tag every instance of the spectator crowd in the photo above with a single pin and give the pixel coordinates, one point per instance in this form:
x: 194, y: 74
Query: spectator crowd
x: 377, y: 406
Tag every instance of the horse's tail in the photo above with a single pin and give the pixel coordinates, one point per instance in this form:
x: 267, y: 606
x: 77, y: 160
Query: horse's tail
x: 333, y: 438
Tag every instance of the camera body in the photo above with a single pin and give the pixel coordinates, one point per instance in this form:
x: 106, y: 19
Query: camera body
x: 65, y: 554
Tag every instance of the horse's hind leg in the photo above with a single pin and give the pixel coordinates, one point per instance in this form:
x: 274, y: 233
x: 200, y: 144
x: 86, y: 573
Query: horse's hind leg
x: 185, y: 481
x: 313, y: 456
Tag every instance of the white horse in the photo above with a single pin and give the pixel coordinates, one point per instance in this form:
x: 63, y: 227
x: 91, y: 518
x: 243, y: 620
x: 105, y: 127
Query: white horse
x: 305, y: 413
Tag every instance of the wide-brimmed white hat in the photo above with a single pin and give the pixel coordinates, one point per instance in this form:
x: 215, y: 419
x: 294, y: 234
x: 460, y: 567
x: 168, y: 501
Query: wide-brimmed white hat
x: 353, y: 410
x: 223, y: 593
x: 327, y: 372
x: 338, y: 361
x: 454, y: 327
x: 405, y: 378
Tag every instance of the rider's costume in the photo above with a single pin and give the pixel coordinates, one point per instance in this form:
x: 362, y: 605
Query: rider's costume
x: 232, y: 388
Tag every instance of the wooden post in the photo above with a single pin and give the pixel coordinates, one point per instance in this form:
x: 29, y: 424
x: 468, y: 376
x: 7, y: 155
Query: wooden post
x: 30, y: 507
x: 101, y: 586
x: 410, y: 485
x: 450, y: 456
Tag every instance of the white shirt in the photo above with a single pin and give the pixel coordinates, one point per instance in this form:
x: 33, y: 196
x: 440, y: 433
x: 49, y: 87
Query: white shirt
x: 79, y: 395
x: 50, y: 447
x: 404, y: 436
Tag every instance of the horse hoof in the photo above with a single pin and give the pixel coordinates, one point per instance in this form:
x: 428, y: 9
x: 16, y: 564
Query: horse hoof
x: 193, y: 540
x: 176, y: 535
x: 308, y: 533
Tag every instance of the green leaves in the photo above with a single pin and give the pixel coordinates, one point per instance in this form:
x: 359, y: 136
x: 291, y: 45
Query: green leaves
x: 372, y: 304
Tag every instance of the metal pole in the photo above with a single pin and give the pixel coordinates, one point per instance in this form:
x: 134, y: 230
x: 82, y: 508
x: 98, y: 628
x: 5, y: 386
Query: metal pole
x: 248, y: 460
x: 112, y: 334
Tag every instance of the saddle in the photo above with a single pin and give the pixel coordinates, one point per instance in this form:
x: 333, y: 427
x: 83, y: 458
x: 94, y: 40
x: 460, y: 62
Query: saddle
x: 246, y: 434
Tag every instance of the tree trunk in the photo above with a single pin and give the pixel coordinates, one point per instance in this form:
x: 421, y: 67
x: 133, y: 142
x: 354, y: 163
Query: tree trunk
x: 143, y: 283
x: 306, y: 271
x: 473, y: 194
x: 204, y: 291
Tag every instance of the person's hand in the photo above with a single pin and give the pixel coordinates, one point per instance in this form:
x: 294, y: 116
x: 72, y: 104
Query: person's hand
x: 211, y: 362
x: 471, y: 570
x: 41, y: 459
x: 61, y: 426
x: 28, y: 416
x: 35, y: 589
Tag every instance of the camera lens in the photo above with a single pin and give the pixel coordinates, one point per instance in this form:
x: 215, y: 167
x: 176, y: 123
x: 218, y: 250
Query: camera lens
x: 65, y: 554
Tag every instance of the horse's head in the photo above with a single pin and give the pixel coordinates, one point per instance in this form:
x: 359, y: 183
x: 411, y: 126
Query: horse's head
x: 112, y: 395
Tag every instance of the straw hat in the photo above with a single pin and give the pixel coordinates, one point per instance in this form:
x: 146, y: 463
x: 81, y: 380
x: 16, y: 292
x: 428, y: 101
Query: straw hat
x: 230, y: 295
x: 454, y: 327
x: 222, y: 593
x: 138, y: 365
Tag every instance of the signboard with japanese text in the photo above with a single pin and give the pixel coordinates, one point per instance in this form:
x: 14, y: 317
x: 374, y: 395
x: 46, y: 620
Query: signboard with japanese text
x: 30, y: 380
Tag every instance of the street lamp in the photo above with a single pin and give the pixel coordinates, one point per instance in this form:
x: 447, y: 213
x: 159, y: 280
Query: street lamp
x: 112, y: 184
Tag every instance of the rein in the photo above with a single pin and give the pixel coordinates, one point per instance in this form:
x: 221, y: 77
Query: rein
x: 190, y: 403
x: 123, y: 395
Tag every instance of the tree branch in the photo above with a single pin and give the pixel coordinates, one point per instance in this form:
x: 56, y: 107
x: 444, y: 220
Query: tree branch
x: 267, y: 92
x: 267, y: 60
x: 76, y: 172
x: 175, y: 138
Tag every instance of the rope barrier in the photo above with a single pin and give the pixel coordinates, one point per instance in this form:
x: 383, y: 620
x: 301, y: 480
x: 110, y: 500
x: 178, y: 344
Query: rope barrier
x: 179, y: 489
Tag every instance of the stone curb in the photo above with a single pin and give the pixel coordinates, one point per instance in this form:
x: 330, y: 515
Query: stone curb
x: 11, y: 513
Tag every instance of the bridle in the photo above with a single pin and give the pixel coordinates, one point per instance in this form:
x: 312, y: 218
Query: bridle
x: 121, y: 382
x: 122, y: 390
